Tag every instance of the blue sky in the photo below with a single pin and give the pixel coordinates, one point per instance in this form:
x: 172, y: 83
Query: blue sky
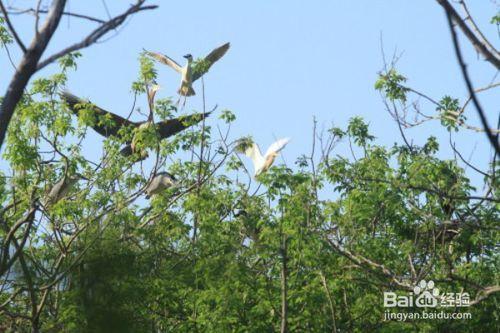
x: 289, y: 61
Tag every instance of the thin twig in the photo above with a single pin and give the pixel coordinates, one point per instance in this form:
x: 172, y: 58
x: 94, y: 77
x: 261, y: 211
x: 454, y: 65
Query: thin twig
x: 95, y: 35
x: 490, y: 55
x: 476, y: 29
x: 458, y: 52
x: 65, y: 13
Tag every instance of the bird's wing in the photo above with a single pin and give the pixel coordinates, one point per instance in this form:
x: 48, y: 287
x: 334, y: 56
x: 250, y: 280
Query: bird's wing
x: 209, y: 60
x: 55, y: 190
x: 165, y: 60
x: 253, y: 152
x: 277, y: 146
x: 152, y: 185
x: 77, y: 104
x: 173, y: 126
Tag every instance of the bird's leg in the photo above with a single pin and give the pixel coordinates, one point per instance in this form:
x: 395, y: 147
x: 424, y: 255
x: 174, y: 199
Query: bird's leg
x: 178, y: 101
x: 184, y: 103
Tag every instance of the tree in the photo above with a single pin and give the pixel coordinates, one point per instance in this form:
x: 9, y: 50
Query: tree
x: 483, y: 47
x: 311, y: 247
x: 31, y: 61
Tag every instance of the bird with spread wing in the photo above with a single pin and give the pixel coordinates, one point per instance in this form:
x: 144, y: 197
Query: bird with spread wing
x: 261, y: 162
x: 189, y: 74
x: 113, y: 122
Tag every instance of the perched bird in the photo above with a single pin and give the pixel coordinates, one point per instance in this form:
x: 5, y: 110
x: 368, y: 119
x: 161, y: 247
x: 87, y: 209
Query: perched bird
x: 61, y: 188
x: 263, y: 163
x: 164, y: 129
x: 188, y: 74
x: 162, y: 181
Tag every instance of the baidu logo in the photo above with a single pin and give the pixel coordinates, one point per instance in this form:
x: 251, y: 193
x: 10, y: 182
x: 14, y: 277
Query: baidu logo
x: 426, y: 295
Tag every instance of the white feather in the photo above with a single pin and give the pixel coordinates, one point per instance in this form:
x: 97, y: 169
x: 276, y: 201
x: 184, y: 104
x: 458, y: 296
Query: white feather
x: 277, y: 146
x: 259, y: 161
x: 255, y: 155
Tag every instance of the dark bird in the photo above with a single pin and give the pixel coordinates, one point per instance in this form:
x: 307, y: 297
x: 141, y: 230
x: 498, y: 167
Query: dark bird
x: 164, y: 129
x: 61, y: 189
x: 162, y: 181
x: 188, y: 73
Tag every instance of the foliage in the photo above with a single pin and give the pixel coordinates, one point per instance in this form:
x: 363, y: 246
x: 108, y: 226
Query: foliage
x: 5, y: 37
x: 495, y: 19
x: 219, y: 254
x: 391, y: 84
x: 449, y: 110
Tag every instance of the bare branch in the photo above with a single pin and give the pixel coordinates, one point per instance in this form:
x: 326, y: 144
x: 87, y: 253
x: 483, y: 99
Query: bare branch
x: 493, y: 139
x: 65, y: 13
x: 490, y: 55
x: 485, y: 293
x: 453, y: 146
x: 94, y: 36
x: 11, y: 27
x: 37, y: 16
x: 369, y: 265
x: 28, y: 66
x: 476, y: 29
x: 6, y: 263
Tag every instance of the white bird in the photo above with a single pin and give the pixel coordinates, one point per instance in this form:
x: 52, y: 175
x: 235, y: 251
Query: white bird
x: 162, y: 181
x: 188, y: 76
x: 61, y: 188
x: 263, y: 163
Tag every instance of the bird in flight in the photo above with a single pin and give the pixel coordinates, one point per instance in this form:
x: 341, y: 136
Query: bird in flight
x: 113, y: 123
x: 263, y: 163
x: 162, y: 181
x: 190, y: 73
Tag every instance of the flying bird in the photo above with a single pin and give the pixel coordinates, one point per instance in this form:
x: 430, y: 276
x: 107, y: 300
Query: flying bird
x: 162, y: 181
x: 263, y: 163
x: 188, y: 73
x: 61, y: 188
x: 164, y: 129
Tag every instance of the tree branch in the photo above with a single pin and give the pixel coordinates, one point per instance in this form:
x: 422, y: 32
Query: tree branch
x: 30, y: 63
x: 5, y: 261
x: 96, y: 34
x: 11, y: 28
x: 493, y: 139
x: 28, y: 66
x: 490, y: 55
x: 485, y: 293
x: 14, y: 11
x: 476, y: 29
x: 369, y: 265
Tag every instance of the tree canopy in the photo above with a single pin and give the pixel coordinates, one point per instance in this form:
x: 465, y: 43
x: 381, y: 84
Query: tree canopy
x: 307, y: 247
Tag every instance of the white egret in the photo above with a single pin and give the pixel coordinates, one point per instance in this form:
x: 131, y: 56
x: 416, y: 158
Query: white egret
x: 188, y: 75
x: 263, y: 163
